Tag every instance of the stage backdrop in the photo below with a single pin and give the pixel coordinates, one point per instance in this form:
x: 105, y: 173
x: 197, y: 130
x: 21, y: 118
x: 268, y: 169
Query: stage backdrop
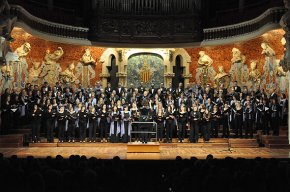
x: 145, y: 69
x: 221, y: 56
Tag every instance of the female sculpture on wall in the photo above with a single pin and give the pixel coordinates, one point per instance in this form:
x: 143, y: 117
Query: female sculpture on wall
x: 222, y: 77
x: 21, y: 65
x: 270, y: 66
x: 7, y: 77
x: 204, y: 69
x: 34, y: 72
x: 85, y: 70
x: 67, y: 76
x: 254, y: 75
x: 282, y: 75
x: 51, y: 69
x: 239, y: 71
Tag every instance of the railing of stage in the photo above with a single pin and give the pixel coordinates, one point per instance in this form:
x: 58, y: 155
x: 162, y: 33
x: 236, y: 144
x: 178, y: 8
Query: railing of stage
x: 146, y: 132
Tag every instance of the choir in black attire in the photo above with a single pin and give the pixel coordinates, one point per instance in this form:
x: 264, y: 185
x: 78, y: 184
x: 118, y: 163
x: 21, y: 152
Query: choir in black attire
x: 206, y: 112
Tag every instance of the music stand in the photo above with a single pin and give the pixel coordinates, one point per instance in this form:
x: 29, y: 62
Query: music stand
x: 229, y: 146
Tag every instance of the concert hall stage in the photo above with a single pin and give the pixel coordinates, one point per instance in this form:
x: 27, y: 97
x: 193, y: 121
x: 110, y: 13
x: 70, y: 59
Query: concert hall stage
x: 219, y: 148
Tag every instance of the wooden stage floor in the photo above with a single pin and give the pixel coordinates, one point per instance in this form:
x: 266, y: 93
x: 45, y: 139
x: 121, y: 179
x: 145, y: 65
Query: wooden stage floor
x: 167, y: 151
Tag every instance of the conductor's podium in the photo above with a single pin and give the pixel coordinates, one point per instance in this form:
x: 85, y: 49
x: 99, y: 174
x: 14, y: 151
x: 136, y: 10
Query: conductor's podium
x: 150, y: 147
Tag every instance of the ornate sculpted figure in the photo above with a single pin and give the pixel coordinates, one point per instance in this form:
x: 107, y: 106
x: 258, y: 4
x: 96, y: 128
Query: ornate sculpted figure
x: 204, y: 69
x: 222, y: 77
x: 21, y: 65
x: 239, y: 71
x: 254, y: 75
x: 282, y: 73
x: 7, y: 76
x: 23, y: 50
x: 267, y: 50
x: 52, y: 58
x: 84, y: 69
x: 50, y: 68
x: 204, y: 60
x: 238, y: 57
x: 34, y: 72
x: 87, y: 58
x: 270, y: 66
x: 283, y: 62
x: 67, y: 76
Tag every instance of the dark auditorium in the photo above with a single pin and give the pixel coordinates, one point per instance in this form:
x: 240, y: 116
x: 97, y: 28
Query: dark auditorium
x: 152, y: 95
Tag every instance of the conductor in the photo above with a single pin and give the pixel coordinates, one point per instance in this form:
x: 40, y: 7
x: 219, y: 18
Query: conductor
x: 145, y: 116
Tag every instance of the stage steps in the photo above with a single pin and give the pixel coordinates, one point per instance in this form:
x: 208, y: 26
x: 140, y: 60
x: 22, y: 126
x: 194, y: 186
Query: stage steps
x: 243, y: 143
x: 11, y: 141
x: 26, y: 132
x: 275, y: 142
x: 150, y: 147
x: 76, y: 144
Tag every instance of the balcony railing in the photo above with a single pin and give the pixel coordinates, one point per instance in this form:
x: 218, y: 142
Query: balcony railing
x: 272, y: 15
x: 121, y: 30
x: 44, y: 26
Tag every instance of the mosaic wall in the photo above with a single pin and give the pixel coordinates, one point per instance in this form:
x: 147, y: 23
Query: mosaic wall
x: 145, y: 69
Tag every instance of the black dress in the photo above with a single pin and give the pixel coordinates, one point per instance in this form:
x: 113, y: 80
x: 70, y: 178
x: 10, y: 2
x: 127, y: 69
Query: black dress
x: 126, y: 119
x: 248, y: 122
x: 169, y: 125
x: 225, y: 122
x: 36, y: 121
x: 72, y: 118
x: 103, y: 124
x: 195, y: 118
x: 61, y: 121
x: 49, y: 118
x: 159, y: 119
x: 182, y: 118
x: 83, y: 122
x: 93, y: 123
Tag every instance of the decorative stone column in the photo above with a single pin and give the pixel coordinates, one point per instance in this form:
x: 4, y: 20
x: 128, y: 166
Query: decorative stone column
x: 168, y: 64
x: 104, y: 78
x: 168, y: 78
x: 122, y: 75
x: 122, y: 78
x: 186, y: 78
